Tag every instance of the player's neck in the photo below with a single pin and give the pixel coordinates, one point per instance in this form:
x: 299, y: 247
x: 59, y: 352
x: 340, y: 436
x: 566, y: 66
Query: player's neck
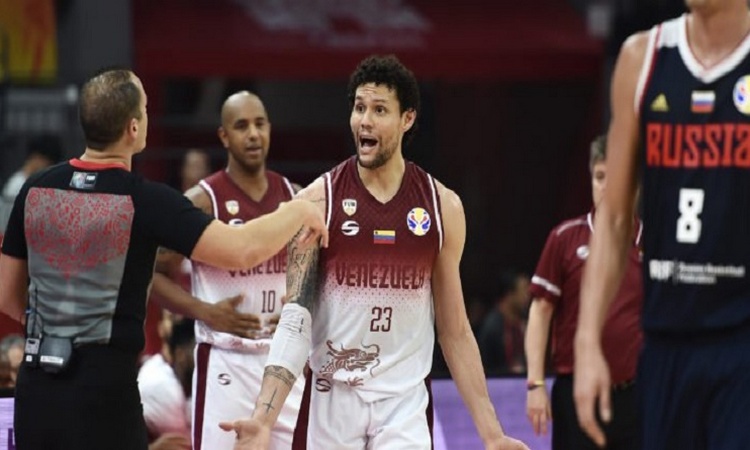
x: 110, y: 155
x: 384, y: 182
x: 713, y: 36
x: 254, y: 184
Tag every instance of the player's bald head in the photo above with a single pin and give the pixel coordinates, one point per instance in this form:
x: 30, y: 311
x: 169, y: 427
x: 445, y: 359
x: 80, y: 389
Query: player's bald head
x: 236, y: 102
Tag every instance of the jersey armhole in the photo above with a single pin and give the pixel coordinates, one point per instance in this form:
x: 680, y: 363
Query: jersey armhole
x: 329, y: 198
x: 647, y: 69
x: 207, y: 188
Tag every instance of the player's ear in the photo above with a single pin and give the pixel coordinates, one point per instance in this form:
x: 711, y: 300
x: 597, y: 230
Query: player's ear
x: 222, y: 133
x: 132, y: 128
x: 407, y: 119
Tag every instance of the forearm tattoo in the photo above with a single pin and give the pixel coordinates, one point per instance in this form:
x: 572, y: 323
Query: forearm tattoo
x: 282, y: 374
x: 302, y: 275
x: 269, y: 403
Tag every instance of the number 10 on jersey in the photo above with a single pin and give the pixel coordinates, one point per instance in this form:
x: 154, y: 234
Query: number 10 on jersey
x: 690, y: 207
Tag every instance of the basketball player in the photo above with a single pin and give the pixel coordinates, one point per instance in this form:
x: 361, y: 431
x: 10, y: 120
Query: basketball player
x: 397, y: 242
x: 229, y: 368
x: 681, y: 99
x: 555, y: 289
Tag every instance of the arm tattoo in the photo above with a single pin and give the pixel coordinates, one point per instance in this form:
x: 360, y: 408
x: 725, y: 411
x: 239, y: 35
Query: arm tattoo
x: 302, y: 275
x: 282, y: 374
x: 269, y: 403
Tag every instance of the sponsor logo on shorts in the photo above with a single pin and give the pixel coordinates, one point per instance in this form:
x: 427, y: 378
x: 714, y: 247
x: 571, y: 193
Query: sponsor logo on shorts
x: 225, y: 379
x: 322, y: 385
x: 582, y: 252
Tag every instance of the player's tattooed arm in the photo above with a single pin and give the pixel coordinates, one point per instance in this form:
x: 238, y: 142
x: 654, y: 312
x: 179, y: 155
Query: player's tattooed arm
x: 281, y: 373
x: 302, y: 275
x: 302, y: 263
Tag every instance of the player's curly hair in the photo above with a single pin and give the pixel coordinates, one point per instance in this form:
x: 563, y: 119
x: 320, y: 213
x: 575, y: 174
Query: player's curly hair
x: 388, y: 71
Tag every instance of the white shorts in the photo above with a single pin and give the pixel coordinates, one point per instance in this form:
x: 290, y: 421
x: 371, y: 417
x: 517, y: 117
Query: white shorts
x: 339, y: 419
x: 225, y: 387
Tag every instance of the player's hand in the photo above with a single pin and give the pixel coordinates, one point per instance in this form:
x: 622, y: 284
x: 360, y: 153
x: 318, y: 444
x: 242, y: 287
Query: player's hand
x: 314, y: 229
x: 272, y: 322
x: 171, y: 441
x: 223, y: 316
x: 591, y: 383
x: 538, y: 409
x: 505, y: 443
x: 250, y: 434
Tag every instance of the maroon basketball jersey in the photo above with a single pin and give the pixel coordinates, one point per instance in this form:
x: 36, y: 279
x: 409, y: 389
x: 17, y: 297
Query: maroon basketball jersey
x: 373, y: 327
x: 262, y: 285
x: 558, y: 279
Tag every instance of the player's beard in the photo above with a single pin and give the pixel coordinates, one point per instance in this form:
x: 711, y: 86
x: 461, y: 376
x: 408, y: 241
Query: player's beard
x: 383, y: 155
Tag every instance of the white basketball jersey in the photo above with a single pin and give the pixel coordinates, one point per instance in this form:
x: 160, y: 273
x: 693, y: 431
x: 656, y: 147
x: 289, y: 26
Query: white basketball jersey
x: 262, y: 286
x: 373, y: 327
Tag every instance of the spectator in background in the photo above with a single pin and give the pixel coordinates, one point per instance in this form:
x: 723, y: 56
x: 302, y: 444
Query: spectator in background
x: 164, y: 382
x: 501, y: 335
x: 41, y: 153
x: 555, y: 289
x: 196, y: 165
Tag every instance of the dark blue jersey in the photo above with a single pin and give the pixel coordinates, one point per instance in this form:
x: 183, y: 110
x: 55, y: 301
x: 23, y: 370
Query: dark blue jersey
x: 695, y: 139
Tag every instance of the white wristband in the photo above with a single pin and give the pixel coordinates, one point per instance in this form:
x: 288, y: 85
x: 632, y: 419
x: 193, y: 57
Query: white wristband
x: 291, y: 342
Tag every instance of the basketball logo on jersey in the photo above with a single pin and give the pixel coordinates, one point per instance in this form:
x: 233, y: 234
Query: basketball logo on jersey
x: 349, y: 205
x: 418, y: 221
x: 741, y: 95
x: 582, y: 252
x: 233, y: 206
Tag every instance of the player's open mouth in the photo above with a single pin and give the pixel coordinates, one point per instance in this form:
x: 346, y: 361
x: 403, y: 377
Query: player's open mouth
x: 367, y: 143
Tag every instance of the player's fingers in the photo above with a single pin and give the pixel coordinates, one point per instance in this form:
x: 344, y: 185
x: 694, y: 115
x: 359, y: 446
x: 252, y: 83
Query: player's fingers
x: 543, y: 424
x: 536, y: 424
x: 229, y: 426
x: 248, y: 320
x: 585, y: 403
x: 324, y: 238
x: 605, y: 405
x: 236, y: 300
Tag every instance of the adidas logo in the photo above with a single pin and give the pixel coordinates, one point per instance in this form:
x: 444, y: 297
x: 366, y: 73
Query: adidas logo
x: 660, y: 104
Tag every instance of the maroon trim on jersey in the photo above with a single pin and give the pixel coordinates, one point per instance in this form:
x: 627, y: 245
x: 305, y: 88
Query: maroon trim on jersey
x: 299, y: 439
x: 221, y: 188
x: 91, y: 165
x: 430, y: 411
x: 647, y: 82
x: 202, y: 355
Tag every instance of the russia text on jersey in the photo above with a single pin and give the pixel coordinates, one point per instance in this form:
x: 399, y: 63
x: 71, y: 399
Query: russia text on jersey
x: 709, y: 145
x: 381, y: 276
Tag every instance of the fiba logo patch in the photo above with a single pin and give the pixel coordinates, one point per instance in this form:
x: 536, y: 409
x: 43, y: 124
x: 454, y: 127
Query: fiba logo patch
x: 582, y: 252
x: 741, y: 95
x: 233, y: 207
x: 225, y: 379
x: 349, y: 205
x: 418, y: 221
